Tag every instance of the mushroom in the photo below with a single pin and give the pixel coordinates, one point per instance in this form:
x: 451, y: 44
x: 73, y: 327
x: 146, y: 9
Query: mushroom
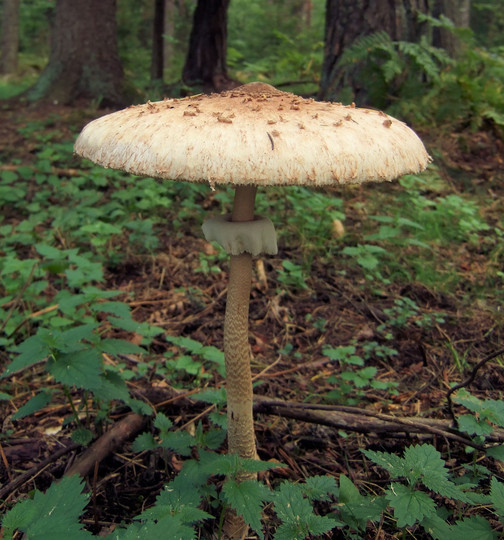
x: 253, y: 135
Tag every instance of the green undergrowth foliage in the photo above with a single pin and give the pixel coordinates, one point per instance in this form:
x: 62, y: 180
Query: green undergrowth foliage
x: 424, y: 235
x: 423, y: 83
x: 422, y: 494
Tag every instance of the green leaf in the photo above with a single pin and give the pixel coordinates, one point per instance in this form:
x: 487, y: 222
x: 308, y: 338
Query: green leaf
x: 355, y: 509
x: 82, y: 369
x: 385, y: 232
x: 231, y: 464
x: 33, y: 350
x: 468, y: 423
x: 409, y: 505
x: 8, y: 176
x: 49, y: 252
x: 437, y: 528
x: 155, y: 529
x: 359, y: 513
x: 82, y: 436
x: 219, y: 419
x: 178, y: 441
x: 111, y: 386
x: 73, y: 336
x: 338, y: 353
x: 475, y: 528
x: 138, y: 406
x: 144, y: 441
x: 34, y: 404
x: 497, y: 495
x: 180, y: 499
x: 424, y: 462
x: 348, y: 493
x: 290, y: 505
x: 191, y: 345
x: 84, y: 274
x: 162, y: 422
x: 392, y: 463
x: 212, y: 354
x: 297, y: 514
x: 119, y: 346
x: 130, y: 325
x: 100, y: 228
x: 188, y: 364
x: 497, y: 452
x: 119, y: 309
x: 212, y: 439
x: 52, y: 515
x: 319, y: 488
x: 247, y: 499
x: 215, y: 396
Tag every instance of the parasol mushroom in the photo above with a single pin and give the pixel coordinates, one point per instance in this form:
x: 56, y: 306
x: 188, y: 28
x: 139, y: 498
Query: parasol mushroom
x: 253, y: 135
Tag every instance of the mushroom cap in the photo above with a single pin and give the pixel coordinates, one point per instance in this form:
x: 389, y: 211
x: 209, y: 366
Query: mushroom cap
x: 254, y: 134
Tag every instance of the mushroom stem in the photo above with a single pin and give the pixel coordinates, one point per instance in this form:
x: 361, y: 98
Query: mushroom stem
x: 244, y: 201
x: 241, y: 438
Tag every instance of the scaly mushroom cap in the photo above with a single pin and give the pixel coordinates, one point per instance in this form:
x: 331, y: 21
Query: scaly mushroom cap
x: 254, y: 134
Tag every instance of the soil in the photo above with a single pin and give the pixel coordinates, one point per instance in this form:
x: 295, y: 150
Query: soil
x: 123, y: 482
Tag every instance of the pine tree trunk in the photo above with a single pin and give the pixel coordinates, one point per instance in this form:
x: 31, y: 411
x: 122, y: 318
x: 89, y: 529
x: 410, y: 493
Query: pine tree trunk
x: 84, y: 60
x: 157, y: 61
x: 458, y: 11
x: 169, y: 32
x: 349, y: 20
x: 10, y: 37
x: 206, y: 58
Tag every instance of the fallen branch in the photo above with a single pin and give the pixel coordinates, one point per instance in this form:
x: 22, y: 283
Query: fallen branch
x: 364, y: 421
x: 121, y: 431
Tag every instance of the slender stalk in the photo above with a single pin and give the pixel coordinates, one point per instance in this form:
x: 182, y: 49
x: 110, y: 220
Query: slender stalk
x: 66, y: 391
x: 241, y: 438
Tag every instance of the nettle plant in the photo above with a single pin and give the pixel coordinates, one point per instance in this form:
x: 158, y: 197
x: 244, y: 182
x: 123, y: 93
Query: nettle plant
x: 422, y: 494
x: 72, y: 353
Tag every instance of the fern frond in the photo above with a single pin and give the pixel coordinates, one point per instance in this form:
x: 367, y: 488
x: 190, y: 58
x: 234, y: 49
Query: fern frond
x: 428, y: 58
x: 362, y: 48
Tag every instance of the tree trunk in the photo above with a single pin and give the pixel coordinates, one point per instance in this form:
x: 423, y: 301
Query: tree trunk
x: 168, y: 32
x: 10, y: 37
x: 458, y: 11
x: 157, y: 61
x: 206, y: 58
x: 349, y: 20
x: 84, y: 60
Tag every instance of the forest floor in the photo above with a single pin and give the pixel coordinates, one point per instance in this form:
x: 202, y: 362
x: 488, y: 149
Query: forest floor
x: 288, y: 357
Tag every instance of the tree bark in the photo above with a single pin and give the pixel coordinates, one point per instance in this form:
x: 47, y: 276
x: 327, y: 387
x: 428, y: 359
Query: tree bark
x: 84, y: 60
x: 157, y: 60
x: 10, y: 37
x: 349, y: 20
x: 168, y: 32
x: 458, y: 11
x: 206, y: 58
